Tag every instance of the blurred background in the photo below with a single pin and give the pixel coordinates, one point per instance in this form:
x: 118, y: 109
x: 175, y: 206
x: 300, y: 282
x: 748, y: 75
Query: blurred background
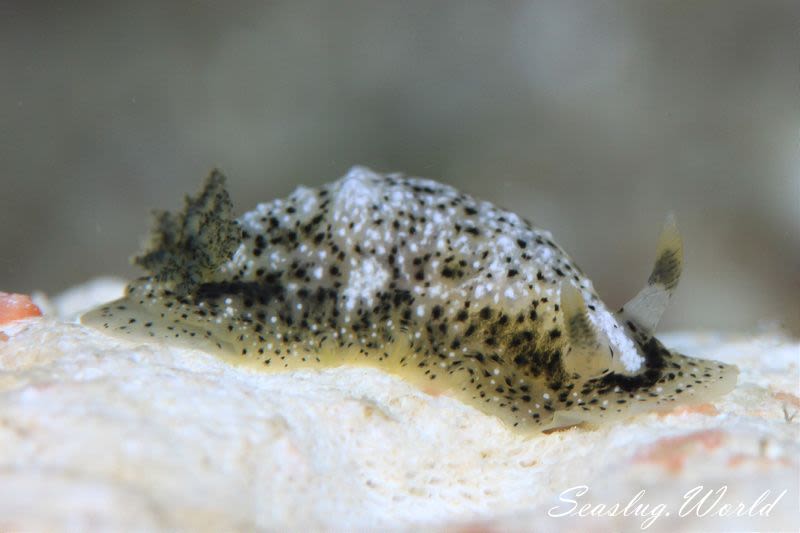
x: 593, y: 119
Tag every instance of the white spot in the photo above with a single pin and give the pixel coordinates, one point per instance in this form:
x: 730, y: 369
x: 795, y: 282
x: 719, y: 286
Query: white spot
x: 364, y: 282
x: 356, y: 190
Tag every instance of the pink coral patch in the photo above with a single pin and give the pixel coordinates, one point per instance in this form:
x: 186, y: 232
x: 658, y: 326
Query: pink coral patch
x: 16, y: 306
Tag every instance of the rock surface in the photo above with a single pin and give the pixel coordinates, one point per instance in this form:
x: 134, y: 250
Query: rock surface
x: 102, y: 434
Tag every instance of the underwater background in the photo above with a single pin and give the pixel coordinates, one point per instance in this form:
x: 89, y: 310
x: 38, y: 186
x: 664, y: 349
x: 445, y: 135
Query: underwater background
x: 592, y: 119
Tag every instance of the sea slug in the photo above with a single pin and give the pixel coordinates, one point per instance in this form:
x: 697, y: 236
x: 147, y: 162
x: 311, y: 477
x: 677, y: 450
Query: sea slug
x: 422, y: 281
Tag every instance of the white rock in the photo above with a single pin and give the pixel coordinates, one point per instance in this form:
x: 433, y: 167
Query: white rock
x: 98, y: 434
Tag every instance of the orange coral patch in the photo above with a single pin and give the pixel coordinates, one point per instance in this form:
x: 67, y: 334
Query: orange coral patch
x: 700, y: 409
x: 16, y: 307
x: 475, y: 527
x: 672, y: 452
x: 788, y: 398
x: 741, y: 459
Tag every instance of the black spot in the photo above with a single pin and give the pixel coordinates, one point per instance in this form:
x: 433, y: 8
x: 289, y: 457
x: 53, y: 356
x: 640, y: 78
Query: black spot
x: 667, y: 270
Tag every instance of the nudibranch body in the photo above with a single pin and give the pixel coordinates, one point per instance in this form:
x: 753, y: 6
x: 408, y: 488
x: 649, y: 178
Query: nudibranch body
x: 418, y: 279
